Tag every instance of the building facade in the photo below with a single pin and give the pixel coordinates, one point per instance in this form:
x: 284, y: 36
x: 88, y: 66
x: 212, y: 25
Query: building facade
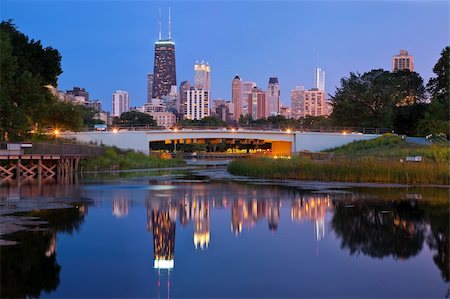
x: 273, y: 97
x: 197, y: 104
x: 247, y: 87
x: 149, y: 87
x: 403, y: 61
x: 319, y: 79
x: 120, y: 102
x: 164, y: 119
x: 236, y: 96
x: 308, y: 102
x: 184, y: 88
x: 202, y: 79
x: 297, y: 101
x: 257, y: 103
x: 164, y: 72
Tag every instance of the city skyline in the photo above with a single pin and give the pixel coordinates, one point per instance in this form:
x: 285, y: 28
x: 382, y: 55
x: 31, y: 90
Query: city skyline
x: 89, y: 64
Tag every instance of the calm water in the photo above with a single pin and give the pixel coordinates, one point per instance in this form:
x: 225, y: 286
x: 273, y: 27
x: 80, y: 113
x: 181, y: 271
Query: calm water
x: 190, y: 237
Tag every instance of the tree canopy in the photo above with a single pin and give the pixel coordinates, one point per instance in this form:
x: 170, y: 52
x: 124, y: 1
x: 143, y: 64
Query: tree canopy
x: 27, y: 71
x: 437, y: 114
x: 134, y: 118
x: 371, y: 99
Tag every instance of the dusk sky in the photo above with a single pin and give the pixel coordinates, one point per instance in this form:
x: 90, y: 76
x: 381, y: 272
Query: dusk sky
x: 109, y: 45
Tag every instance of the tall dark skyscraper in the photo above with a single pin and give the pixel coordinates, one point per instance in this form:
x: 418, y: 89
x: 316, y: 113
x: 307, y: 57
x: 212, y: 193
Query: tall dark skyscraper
x: 164, y: 72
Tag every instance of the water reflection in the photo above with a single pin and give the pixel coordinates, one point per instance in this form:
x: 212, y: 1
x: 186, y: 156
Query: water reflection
x: 31, y: 267
x: 376, y: 225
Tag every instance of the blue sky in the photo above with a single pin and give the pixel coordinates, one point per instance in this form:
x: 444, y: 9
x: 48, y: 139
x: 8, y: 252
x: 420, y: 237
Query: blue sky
x: 108, y: 45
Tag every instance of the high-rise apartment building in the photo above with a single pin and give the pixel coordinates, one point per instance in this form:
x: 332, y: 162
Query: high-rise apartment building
x: 202, y: 78
x: 120, y: 102
x: 257, y: 103
x: 273, y: 99
x: 236, y: 96
x: 403, y: 61
x: 197, y: 103
x: 319, y: 79
x: 315, y: 104
x: 308, y: 102
x: 149, y: 87
x: 164, y: 72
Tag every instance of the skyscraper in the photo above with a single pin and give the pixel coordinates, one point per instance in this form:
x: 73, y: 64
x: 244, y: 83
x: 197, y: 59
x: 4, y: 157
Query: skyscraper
x: 236, y: 96
x: 319, y: 79
x: 403, y: 61
x: 164, y: 72
x: 202, y: 78
x: 257, y: 104
x: 149, y: 87
x: 120, y: 102
x: 273, y: 96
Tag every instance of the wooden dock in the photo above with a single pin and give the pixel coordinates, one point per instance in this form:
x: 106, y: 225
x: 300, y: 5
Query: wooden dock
x: 27, y: 161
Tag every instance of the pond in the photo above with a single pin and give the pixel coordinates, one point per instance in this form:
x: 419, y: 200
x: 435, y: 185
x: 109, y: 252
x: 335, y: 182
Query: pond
x: 183, y: 235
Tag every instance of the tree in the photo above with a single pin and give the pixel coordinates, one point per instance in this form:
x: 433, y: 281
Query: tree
x: 209, y: 121
x: 26, y: 70
x: 437, y: 114
x: 371, y: 99
x: 134, y: 118
x: 89, y: 116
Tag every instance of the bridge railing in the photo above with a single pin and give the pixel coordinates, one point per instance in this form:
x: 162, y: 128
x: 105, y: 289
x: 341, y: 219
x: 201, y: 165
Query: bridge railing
x: 63, y: 149
x: 269, y: 127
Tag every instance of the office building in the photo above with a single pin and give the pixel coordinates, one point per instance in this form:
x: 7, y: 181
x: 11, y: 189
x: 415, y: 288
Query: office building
x: 273, y: 97
x: 319, y: 79
x: 202, y: 79
x: 149, y: 87
x: 120, y: 102
x: 236, y: 96
x: 257, y: 103
x: 164, y: 72
x: 197, y: 104
x: 403, y: 61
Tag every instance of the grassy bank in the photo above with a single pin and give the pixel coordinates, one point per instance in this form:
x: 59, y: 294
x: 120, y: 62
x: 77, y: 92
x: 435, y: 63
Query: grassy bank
x: 375, y: 161
x: 116, y: 159
x: 390, y: 145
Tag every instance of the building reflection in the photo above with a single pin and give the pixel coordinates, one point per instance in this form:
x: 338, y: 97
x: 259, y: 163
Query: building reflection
x: 312, y: 208
x: 120, y: 205
x: 247, y: 213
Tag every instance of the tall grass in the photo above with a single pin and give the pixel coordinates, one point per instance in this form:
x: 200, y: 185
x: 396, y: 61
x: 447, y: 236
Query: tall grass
x: 116, y: 159
x: 343, y: 170
x: 390, y: 145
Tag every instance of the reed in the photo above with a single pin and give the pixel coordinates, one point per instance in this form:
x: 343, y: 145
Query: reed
x: 366, y: 169
x: 116, y: 159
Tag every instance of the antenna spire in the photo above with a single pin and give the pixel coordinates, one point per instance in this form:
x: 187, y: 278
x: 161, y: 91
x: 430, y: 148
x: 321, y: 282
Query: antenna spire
x: 170, y: 36
x: 160, y: 25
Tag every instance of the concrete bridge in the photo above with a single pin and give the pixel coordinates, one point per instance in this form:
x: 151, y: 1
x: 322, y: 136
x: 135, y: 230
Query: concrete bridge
x: 283, y: 142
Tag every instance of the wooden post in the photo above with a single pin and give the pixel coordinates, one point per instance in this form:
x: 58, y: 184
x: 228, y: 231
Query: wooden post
x: 18, y: 168
x: 40, y: 167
